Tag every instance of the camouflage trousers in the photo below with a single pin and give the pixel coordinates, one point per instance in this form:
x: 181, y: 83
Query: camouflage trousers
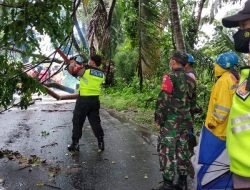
x: 174, y: 153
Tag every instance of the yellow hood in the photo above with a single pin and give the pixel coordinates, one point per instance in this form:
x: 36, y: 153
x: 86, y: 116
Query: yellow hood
x: 218, y: 70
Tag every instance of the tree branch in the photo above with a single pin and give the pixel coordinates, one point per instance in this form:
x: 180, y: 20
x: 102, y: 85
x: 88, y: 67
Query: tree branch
x: 60, y: 97
x: 200, y: 8
x: 48, y: 60
x: 12, y: 6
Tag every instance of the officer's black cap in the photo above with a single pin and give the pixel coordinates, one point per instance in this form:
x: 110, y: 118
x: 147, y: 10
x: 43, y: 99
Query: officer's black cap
x: 97, y: 59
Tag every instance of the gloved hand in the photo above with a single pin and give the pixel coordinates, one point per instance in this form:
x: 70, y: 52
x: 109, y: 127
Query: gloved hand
x: 210, y: 126
x: 74, y: 67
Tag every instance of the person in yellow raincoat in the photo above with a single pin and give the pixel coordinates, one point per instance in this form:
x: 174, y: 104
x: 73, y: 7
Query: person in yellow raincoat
x: 222, y: 94
x: 211, y: 146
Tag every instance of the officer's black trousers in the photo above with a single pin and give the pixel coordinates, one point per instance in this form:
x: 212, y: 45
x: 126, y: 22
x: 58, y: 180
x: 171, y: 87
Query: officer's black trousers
x: 86, y: 106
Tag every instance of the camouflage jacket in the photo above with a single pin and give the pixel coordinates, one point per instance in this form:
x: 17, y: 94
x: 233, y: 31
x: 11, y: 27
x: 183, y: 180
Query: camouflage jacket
x: 174, y: 110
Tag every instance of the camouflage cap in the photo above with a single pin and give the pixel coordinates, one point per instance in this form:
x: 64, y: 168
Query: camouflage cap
x: 180, y: 57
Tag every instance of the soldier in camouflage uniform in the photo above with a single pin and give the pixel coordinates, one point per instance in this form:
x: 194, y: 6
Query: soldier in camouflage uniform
x: 173, y: 117
x: 195, y: 109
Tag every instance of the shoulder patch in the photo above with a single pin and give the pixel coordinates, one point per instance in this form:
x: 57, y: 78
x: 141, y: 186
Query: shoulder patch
x: 96, y: 73
x: 241, y: 90
x: 167, y: 84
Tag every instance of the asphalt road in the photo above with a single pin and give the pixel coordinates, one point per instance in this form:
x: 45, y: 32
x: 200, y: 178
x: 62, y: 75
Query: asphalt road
x: 34, y: 156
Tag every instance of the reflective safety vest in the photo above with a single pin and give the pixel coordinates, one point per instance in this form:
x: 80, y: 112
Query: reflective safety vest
x: 238, y: 129
x: 90, y: 82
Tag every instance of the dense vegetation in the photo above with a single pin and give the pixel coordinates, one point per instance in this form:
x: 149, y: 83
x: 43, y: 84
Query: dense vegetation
x: 127, y: 93
x: 135, y: 37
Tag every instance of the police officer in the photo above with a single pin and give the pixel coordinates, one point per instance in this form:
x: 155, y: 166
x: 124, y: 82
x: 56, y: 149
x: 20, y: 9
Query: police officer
x: 238, y: 145
x: 88, y: 104
x: 173, y: 118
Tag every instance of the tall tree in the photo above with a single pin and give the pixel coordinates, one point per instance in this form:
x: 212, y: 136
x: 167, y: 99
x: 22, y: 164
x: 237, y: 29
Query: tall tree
x: 176, y: 26
x: 149, y: 33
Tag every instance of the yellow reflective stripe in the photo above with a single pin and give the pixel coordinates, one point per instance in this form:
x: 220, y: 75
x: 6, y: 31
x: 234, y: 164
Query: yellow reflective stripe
x: 241, y: 128
x: 219, y: 116
x: 240, y: 119
x: 222, y: 108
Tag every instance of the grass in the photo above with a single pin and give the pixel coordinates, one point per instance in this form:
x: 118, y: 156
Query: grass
x: 126, y: 108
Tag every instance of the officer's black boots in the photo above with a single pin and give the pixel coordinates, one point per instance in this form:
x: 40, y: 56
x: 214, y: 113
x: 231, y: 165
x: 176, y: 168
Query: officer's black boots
x: 182, y: 183
x: 73, y: 147
x: 100, y: 143
x: 167, y: 185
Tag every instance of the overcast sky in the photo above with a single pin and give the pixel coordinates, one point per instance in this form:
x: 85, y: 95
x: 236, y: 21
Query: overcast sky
x: 230, y: 8
x: 227, y: 9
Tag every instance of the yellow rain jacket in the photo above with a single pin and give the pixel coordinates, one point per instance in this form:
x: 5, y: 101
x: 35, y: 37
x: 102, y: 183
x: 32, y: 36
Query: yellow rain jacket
x: 220, y: 102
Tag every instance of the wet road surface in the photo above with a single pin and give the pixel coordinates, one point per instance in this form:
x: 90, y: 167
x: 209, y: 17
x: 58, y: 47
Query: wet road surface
x: 34, y: 155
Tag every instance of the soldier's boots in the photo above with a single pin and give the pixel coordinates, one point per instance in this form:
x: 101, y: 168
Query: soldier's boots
x: 182, y: 183
x: 101, y: 143
x: 167, y: 185
x: 73, y: 147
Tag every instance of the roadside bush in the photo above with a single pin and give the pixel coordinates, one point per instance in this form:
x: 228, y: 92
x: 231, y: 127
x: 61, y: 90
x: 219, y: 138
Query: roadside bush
x: 125, y: 64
